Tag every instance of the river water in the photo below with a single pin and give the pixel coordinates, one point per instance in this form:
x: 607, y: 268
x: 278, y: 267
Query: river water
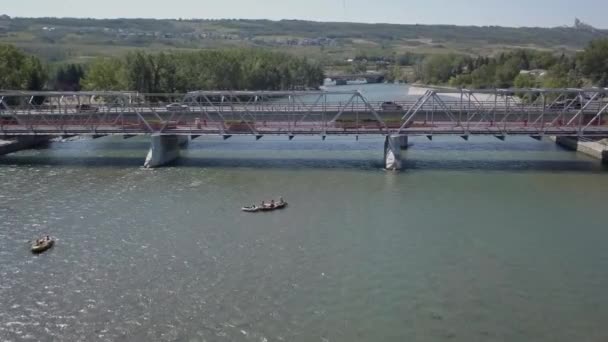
x: 475, y: 241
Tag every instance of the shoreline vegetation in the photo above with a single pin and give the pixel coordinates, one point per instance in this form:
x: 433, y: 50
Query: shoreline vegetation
x: 164, y: 72
x: 178, y: 71
x: 223, y: 69
x: 518, y: 69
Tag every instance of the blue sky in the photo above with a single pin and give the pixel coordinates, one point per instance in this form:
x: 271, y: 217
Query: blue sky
x: 467, y: 12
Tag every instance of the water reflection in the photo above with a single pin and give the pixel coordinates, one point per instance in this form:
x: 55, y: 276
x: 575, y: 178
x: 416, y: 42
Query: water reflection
x: 484, y: 154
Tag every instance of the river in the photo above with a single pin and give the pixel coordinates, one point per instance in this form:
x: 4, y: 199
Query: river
x: 475, y: 241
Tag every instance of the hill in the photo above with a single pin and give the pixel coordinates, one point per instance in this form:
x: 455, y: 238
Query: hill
x: 70, y: 39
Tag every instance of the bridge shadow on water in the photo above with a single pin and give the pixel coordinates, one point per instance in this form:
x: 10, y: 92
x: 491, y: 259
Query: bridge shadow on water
x: 512, y: 165
x: 413, y: 164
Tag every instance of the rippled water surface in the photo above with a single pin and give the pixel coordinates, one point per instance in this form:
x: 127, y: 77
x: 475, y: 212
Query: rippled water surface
x: 475, y: 241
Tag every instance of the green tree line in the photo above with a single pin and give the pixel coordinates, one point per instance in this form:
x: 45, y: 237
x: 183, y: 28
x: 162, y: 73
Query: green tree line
x: 589, y: 67
x: 238, y: 69
x: 255, y: 69
x: 171, y: 72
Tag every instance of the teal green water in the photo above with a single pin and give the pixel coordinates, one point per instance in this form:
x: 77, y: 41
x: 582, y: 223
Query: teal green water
x: 475, y: 241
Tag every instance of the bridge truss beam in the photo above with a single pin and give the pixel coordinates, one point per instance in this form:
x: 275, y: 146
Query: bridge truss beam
x: 462, y: 112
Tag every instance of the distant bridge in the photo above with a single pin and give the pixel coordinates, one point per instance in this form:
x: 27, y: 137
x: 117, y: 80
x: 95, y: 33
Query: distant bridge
x: 375, y: 77
x: 579, y: 113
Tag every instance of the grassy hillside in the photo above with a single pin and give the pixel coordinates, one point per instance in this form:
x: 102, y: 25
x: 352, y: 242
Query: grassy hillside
x: 76, y: 40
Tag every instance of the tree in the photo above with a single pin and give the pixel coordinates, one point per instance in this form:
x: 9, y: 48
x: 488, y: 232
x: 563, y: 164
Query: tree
x: 506, y: 72
x: 19, y: 71
x: 35, y: 74
x: 165, y: 74
x: 593, y: 62
x: 524, y: 63
x: 68, y: 77
x: 394, y: 74
x: 408, y: 59
x: 105, y: 74
x: 139, y: 72
x: 562, y: 75
x: 541, y: 60
x: 358, y: 67
x: 438, y: 69
x: 484, y: 76
x: 461, y: 81
x: 526, y: 81
x: 523, y: 81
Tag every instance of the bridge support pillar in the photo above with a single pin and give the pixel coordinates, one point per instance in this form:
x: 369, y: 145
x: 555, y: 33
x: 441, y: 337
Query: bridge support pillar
x: 392, y: 152
x: 164, y: 149
x: 590, y: 148
x: 19, y: 143
x: 184, y: 140
x: 403, y: 141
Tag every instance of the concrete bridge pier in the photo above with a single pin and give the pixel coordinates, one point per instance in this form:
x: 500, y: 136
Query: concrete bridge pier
x: 184, y: 140
x: 164, y: 149
x: 392, y: 151
x: 403, y: 141
x: 591, y: 148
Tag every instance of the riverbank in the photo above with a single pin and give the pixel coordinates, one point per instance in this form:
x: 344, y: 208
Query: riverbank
x: 595, y: 149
